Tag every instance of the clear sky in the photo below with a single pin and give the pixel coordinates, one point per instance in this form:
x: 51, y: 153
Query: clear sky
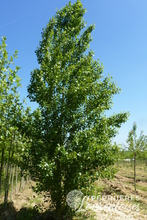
x: 119, y: 41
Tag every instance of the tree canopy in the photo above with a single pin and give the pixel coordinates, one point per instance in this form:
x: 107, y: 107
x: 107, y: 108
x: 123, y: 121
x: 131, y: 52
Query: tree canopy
x: 71, y: 139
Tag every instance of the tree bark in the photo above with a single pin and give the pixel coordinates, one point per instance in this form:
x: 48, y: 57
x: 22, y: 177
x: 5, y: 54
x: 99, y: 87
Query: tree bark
x: 1, y: 168
x: 16, y: 179
x: 13, y: 171
x: 135, y: 172
x: 7, y: 184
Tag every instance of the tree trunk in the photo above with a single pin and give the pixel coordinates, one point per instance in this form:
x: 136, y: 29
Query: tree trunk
x: 20, y: 186
x: 13, y: 171
x: 23, y: 183
x: 135, y: 172
x: 10, y: 174
x: 16, y: 179
x: 7, y: 184
x: 59, y: 193
x: 1, y: 168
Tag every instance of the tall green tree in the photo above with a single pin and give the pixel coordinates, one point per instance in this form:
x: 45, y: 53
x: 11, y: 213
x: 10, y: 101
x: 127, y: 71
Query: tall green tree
x: 71, y: 135
x: 9, y: 105
x: 136, y: 146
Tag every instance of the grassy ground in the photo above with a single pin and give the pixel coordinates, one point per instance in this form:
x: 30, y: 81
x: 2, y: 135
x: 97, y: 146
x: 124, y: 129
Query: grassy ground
x: 120, y: 190
x: 28, y: 205
x: 125, y: 175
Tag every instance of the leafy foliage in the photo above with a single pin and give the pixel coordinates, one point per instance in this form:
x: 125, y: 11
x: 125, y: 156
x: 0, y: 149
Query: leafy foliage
x: 136, y: 146
x: 71, y: 135
x: 11, y: 114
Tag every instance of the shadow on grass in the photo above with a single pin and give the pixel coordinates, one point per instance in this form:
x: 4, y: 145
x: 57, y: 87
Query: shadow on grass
x: 8, y: 212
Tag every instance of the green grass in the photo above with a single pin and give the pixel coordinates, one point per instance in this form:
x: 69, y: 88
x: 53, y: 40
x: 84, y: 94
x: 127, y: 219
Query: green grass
x: 142, y: 188
x: 36, y: 200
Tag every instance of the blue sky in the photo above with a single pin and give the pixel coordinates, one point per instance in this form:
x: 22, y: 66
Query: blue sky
x: 119, y: 41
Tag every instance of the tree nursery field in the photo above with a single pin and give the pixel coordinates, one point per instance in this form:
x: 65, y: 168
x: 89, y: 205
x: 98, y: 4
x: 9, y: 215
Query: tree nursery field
x: 115, y: 199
